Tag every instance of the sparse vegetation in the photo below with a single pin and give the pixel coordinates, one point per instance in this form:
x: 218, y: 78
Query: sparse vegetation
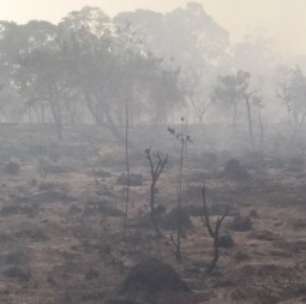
x: 12, y: 168
x: 183, y: 139
x: 241, y: 223
x: 157, y: 164
x: 213, y: 231
x: 89, y: 214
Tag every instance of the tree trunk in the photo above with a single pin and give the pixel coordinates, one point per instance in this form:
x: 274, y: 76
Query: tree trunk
x: 109, y: 123
x: 127, y: 163
x: 215, y: 260
x: 179, y: 231
x: 250, y: 121
x: 262, y: 130
x: 235, y: 114
x: 153, y: 209
x: 57, y: 118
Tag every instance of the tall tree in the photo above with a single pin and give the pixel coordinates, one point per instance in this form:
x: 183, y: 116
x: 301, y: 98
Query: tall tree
x: 233, y: 89
x: 112, y: 69
x: 187, y: 38
x: 292, y: 92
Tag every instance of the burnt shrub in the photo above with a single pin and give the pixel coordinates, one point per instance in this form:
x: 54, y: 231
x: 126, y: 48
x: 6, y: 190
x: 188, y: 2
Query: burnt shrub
x: 105, y: 210
x: 296, y: 164
x: 175, y: 217
x: 254, y: 214
x: 298, y: 224
x: 254, y: 160
x: 15, y: 266
x: 195, y: 211
x: 209, y: 161
x: 110, y: 211
x: 17, y: 273
x: 92, y: 275
x: 134, y: 180
x: 226, y: 241
x: 51, y: 196
x: 16, y: 209
x: 14, y: 258
x: 276, y: 163
x: 241, y: 223
x: 215, y: 210
x: 100, y: 173
x: 102, y: 204
x: 264, y: 235
x: 49, y: 192
x: 32, y: 232
x: 12, y: 168
x: 153, y: 276
x: 241, y: 256
x: 155, y: 282
x: 233, y: 169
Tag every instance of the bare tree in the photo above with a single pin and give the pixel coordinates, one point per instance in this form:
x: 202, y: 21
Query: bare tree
x: 183, y: 140
x: 232, y: 90
x: 258, y: 103
x: 196, y: 88
x: 127, y: 163
x: 157, y: 165
x: 292, y: 92
x: 214, y: 232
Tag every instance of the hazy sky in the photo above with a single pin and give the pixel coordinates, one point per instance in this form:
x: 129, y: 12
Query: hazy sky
x: 284, y: 20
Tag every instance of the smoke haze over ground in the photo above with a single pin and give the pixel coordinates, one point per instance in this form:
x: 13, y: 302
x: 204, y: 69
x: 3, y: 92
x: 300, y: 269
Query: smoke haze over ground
x: 152, y: 152
x: 282, y: 20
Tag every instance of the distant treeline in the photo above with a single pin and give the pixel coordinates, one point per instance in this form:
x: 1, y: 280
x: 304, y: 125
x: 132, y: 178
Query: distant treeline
x: 153, y: 67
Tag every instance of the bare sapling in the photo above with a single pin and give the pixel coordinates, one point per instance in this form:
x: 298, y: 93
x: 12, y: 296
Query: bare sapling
x: 183, y: 140
x: 127, y: 165
x: 157, y: 164
x: 214, y: 232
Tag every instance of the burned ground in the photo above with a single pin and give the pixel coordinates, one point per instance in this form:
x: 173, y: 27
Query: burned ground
x: 62, y: 237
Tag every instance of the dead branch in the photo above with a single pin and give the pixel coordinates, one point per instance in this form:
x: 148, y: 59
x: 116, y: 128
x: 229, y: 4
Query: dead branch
x: 214, y: 232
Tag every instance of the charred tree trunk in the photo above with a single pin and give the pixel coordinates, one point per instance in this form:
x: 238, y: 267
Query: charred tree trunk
x: 250, y: 121
x: 214, y: 232
x: 179, y: 231
x: 156, y: 169
x: 261, y: 129
x: 106, y: 121
x: 127, y: 163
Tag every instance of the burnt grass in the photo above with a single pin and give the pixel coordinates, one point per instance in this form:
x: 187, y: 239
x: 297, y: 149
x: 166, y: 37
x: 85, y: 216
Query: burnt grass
x: 62, y: 237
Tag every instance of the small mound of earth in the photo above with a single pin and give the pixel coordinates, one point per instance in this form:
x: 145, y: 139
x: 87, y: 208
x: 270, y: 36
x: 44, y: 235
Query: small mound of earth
x: 153, y: 282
